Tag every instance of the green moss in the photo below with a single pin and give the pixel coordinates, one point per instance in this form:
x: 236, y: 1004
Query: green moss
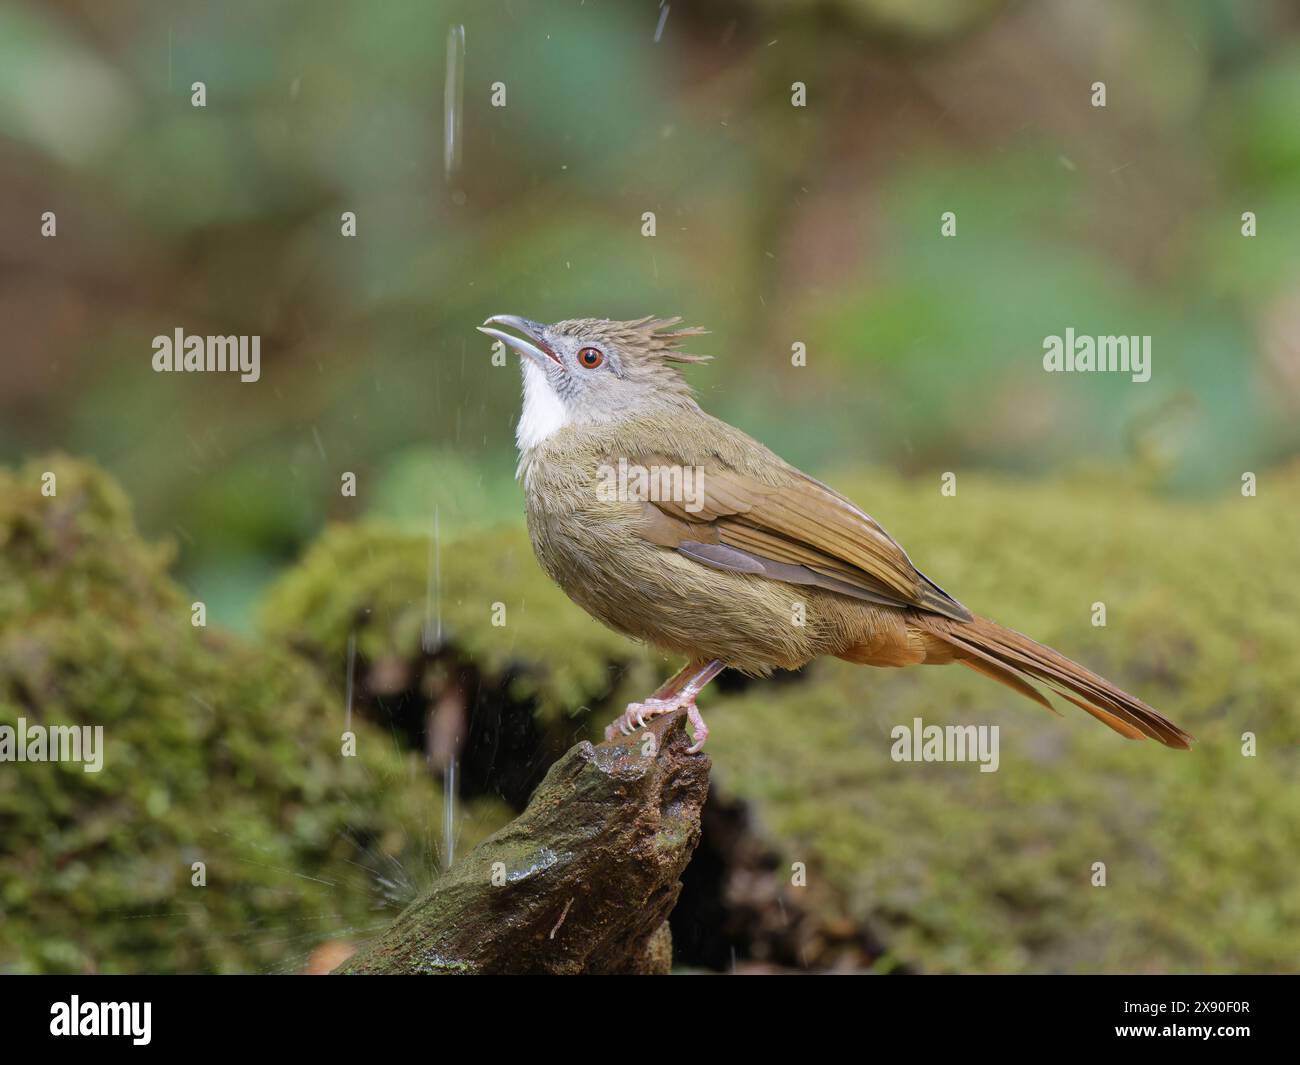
x: 956, y: 869
x: 961, y: 870
x: 227, y: 753
x: 402, y: 596
x: 215, y: 751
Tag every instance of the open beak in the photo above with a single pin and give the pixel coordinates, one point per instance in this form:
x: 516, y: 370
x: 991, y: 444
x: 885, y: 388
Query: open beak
x: 534, y: 347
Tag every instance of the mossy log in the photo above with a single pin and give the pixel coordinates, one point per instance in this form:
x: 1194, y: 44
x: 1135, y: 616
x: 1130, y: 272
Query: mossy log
x: 581, y: 882
x: 226, y: 831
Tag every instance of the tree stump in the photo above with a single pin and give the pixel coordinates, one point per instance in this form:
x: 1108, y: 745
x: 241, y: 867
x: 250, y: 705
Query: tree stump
x: 581, y: 882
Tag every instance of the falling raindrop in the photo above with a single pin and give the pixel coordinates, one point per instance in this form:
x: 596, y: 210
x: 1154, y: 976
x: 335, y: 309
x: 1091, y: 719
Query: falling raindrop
x: 453, y: 95
x: 663, y: 17
x: 431, y: 636
x: 449, y: 814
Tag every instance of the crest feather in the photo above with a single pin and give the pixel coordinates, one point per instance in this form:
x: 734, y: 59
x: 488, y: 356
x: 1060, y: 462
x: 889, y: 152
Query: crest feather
x: 662, y: 340
x: 641, y: 338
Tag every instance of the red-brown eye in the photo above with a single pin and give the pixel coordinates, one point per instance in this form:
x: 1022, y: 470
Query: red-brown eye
x: 590, y: 358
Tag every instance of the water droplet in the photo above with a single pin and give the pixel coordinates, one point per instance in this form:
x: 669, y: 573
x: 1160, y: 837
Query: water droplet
x: 453, y: 96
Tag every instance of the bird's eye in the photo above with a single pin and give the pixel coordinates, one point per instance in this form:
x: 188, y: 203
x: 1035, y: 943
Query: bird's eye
x: 590, y: 358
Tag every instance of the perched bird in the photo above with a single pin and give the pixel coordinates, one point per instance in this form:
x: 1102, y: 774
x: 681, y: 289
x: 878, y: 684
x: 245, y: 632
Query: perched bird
x: 745, y: 561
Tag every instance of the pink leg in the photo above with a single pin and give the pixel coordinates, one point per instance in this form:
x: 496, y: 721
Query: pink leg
x: 678, y: 691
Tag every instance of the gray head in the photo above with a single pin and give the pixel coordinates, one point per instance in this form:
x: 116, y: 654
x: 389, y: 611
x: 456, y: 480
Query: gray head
x: 589, y: 370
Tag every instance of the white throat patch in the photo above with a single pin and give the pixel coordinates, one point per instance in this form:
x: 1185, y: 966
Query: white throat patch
x: 543, y: 413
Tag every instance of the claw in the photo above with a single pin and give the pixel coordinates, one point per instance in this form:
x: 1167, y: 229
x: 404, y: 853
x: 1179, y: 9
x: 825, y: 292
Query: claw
x: 637, y: 715
x: 697, y: 723
x: 676, y: 693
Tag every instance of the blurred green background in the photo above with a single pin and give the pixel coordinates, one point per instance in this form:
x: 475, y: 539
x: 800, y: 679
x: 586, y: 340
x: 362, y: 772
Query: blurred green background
x: 774, y: 225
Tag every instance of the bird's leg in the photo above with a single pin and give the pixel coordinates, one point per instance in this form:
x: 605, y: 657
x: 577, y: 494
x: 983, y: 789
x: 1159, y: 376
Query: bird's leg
x: 678, y: 691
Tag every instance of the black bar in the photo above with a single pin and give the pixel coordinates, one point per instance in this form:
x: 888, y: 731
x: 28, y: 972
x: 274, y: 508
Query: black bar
x: 975, y: 1014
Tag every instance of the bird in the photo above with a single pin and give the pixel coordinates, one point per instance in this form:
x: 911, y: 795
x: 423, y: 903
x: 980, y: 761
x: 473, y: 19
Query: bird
x: 679, y: 530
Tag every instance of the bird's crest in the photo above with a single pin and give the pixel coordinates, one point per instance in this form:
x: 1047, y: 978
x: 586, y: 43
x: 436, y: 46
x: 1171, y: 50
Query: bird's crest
x: 647, y: 338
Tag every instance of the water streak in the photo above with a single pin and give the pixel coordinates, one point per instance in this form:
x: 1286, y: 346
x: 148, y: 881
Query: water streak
x: 453, y: 95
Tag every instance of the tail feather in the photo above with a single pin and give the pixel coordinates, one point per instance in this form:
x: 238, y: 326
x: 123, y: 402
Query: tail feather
x: 1010, y: 657
x: 991, y: 667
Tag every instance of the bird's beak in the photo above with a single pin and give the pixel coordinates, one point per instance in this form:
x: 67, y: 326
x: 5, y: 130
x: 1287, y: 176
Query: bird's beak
x: 535, y: 347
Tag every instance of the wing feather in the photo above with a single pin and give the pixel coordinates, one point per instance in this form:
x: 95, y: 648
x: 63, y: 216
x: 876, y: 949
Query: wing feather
x: 801, y: 533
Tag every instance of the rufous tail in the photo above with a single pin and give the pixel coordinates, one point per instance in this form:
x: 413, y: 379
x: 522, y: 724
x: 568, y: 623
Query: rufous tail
x: 1011, y: 658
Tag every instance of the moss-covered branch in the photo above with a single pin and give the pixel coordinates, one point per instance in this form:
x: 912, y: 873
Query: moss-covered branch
x: 581, y: 882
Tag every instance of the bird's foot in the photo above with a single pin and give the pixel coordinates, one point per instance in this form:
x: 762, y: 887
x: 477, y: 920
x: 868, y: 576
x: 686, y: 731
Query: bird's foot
x: 700, y: 729
x: 637, y: 714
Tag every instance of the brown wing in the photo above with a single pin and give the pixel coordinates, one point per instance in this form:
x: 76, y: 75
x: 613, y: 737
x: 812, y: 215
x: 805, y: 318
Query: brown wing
x: 799, y: 533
